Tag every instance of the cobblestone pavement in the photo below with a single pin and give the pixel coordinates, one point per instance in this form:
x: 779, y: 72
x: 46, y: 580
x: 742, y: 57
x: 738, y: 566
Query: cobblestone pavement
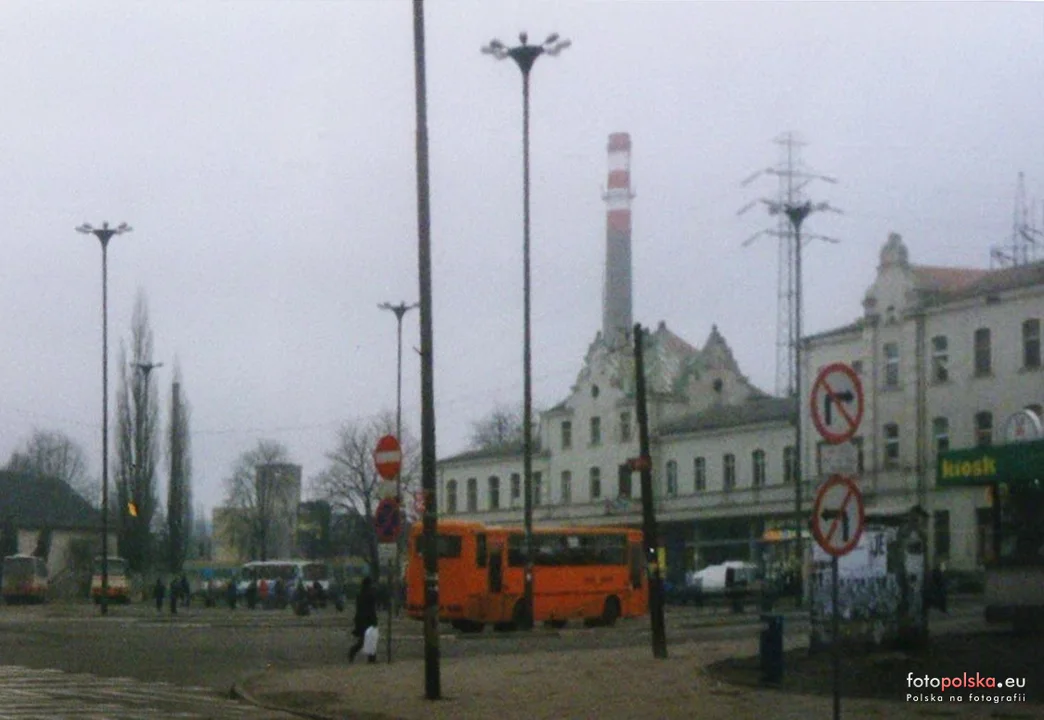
x: 57, y: 695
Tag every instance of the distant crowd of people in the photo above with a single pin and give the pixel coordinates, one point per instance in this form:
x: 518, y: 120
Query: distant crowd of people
x: 258, y: 593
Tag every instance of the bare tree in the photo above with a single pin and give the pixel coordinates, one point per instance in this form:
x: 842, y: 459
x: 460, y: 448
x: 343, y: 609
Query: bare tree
x: 179, y: 489
x: 256, y: 507
x: 351, y: 483
x: 500, y: 428
x: 50, y: 453
x: 137, y: 438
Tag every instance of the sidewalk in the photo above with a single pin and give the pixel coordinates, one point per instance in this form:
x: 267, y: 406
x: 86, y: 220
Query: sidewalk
x: 610, y: 684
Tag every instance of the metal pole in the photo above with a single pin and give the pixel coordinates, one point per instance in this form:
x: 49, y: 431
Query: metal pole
x: 527, y: 392
x: 400, y: 310
x: 431, y: 568
x: 105, y: 425
x: 835, y: 639
x: 649, y: 529
x: 796, y: 216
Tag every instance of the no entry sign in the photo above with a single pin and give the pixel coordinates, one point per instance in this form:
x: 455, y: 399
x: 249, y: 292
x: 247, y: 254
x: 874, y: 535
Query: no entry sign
x: 837, y: 403
x: 838, y: 515
x: 388, y: 457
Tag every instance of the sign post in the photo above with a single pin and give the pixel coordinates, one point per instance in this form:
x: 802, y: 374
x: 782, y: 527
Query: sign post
x: 838, y: 517
x: 837, y: 409
x: 387, y: 456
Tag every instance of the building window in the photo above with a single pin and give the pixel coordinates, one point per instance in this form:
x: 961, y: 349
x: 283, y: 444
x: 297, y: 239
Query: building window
x: 699, y: 471
x: 891, y: 446
x: 494, y: 492
x: 891, y: 365
x: 625, y: 427
x: 857, y: 366
x: 941, y: 434
x: 538, y: 487
x: 516, y: 488
x: 672, y: 478
x: 1031, y: 344
x: 728, y: 480
x: 789, y: 464
x: 942, y: 535
x: 983, y: 429
x: 567, y: 487
x: 472, y: 495
x: 983, y: 356
x: 596, y: 431
x: 757, y: 459
x: 624, y: 480
x: 451, y: 497
x: 595, y: 476
x: 567, y: 434
x: 940, y: 359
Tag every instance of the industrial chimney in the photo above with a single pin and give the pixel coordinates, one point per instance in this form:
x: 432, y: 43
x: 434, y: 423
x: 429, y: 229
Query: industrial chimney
x: 616, y: 297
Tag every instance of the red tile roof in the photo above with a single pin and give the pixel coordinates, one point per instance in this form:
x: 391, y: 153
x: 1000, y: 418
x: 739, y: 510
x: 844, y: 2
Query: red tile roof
x: 947, y: 279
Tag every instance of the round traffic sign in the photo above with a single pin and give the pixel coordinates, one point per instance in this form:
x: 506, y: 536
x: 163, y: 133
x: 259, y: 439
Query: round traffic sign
x: 846, y: 513
x: 388, y: 457
x: 837, y: 403
x: 387, y: 520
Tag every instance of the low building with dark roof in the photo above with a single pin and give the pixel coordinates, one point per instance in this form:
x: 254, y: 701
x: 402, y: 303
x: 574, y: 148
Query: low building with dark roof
x: 48, y: 510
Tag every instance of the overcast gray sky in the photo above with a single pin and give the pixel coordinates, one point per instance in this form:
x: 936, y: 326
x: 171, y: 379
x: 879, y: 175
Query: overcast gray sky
x: 264, y: 154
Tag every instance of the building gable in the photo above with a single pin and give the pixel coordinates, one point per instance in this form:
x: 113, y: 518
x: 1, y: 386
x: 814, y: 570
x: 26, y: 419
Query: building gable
x: 39, y: 502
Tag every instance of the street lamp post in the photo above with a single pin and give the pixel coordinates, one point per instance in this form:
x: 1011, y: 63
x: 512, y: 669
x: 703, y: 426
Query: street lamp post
x: 104, y: 234
x: 401, y: 309
x: 524, y: 56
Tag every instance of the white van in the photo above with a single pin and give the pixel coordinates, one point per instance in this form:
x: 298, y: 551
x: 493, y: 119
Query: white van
x: 712, y: 580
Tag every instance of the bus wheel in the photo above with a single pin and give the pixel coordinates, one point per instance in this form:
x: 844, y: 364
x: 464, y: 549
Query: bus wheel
x: 611, y: 612
x: 557, y: 624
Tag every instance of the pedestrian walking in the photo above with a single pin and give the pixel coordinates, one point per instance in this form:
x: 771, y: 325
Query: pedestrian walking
x: 175, y: 587
x: 365, y: 621
x: 158, y: 591
x: 231, y: 593
x: 186, y: 591
x: 939, y: 587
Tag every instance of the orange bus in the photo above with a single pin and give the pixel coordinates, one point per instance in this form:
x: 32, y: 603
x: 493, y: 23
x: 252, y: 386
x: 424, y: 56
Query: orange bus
x: 579, y: 573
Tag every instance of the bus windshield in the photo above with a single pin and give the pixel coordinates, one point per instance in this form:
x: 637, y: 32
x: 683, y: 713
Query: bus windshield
x: 449, y: 546
x: 116, y: 566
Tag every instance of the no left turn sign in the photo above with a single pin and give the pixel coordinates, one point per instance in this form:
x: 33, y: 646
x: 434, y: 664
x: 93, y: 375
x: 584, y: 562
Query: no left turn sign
x: 838, y: 515
x: 837, y: 403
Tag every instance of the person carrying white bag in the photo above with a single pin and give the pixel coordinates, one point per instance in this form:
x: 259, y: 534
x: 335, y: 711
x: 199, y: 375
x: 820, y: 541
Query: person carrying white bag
x: 365, y: 631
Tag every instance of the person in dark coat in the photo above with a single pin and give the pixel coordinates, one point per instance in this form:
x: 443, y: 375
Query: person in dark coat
x: 175, y: 589
x: 158, y: 592
x: 939, y: 587
x: 365, y: 618
x: 186, y: 591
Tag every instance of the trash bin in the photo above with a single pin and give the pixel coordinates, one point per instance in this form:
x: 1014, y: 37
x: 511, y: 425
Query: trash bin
x: 771, y: 648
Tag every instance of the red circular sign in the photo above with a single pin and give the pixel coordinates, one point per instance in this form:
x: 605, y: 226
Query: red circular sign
x: 837, y: 403
x: 825, y: 536
x: 388, y: 457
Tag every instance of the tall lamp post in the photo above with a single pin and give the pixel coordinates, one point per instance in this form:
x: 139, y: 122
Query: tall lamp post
x: 401, y: 309
x: 524, y: 56
x: 104, y: 234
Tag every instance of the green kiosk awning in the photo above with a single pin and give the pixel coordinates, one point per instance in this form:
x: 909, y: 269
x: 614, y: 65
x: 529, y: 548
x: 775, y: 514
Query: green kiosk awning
x: 1015, y: 463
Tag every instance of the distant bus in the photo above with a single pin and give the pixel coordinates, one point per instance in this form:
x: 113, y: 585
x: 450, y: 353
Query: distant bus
x: 118, y: 582
x: 289, y: 572
x: 579, y: 573
x: 24, y: 579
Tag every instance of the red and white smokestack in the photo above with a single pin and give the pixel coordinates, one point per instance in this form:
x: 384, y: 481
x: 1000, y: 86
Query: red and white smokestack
x: 616, y: 298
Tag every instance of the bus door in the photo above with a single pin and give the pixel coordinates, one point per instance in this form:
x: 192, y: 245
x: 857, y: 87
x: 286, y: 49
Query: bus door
x: 495, y: 574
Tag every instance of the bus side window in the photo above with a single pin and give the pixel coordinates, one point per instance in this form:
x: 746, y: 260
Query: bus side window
x: 496, y: 576
x: 637, y: 566
x: 480, y: 550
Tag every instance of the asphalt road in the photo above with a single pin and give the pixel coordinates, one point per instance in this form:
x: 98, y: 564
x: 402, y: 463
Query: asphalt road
x: 139, y: 654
